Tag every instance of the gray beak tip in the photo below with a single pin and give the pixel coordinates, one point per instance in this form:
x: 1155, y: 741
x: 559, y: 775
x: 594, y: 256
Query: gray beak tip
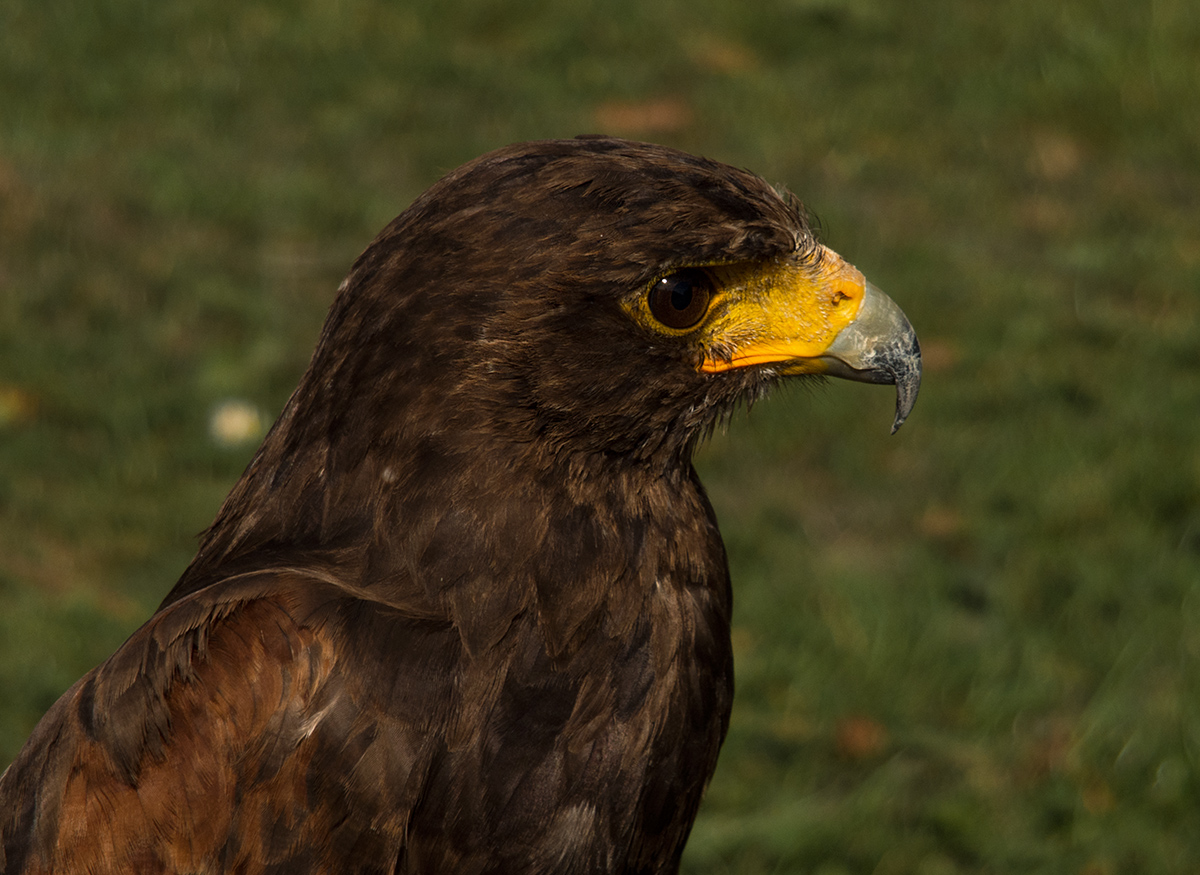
x: 880, y: 346
x: 906, y: 369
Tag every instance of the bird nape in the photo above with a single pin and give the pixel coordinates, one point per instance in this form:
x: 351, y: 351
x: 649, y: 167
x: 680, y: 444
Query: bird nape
x: 467, y: 609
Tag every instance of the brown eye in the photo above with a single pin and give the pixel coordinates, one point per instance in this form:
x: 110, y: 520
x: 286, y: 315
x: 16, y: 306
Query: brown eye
x: 679, y: 300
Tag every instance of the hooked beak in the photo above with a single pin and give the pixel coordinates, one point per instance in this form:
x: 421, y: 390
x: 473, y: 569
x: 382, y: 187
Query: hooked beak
x: 879, y: 346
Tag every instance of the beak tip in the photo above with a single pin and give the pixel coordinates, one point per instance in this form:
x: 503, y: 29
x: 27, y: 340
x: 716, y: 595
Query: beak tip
x: 880, y: 346
x: 901, y: 417
x: 906, y: 370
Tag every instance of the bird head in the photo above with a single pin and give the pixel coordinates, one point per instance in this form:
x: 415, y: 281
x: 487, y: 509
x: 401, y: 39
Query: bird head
x: 597, y: 295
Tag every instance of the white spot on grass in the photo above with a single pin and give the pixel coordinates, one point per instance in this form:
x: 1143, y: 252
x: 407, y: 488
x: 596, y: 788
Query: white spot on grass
x: 235, y: 422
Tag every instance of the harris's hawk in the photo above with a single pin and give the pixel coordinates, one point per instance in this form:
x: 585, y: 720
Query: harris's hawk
x: 467, y: 609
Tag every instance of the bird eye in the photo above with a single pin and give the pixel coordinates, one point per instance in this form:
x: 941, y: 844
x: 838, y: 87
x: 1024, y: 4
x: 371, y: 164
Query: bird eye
x: 679, y: 300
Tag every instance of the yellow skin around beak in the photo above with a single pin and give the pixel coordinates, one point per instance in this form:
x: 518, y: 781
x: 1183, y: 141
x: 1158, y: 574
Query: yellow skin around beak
x: 816, y: 316
x: 788, y: 315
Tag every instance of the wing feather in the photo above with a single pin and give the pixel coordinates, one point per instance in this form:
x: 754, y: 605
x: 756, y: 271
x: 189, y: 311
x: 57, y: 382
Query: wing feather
x: 234, y: 731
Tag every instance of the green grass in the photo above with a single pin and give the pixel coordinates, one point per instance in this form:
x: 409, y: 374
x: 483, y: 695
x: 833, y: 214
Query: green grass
x: 973, y: 647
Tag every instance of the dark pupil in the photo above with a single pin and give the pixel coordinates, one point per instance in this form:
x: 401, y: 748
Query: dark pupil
x: 681, y: 295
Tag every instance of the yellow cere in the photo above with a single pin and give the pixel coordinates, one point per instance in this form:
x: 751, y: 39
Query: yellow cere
x: 786, y: 312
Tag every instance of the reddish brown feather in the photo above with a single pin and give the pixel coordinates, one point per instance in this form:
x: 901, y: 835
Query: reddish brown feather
x: 175, y: 811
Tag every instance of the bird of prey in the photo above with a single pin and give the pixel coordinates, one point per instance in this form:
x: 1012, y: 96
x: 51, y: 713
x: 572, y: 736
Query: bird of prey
x: 467, y: 610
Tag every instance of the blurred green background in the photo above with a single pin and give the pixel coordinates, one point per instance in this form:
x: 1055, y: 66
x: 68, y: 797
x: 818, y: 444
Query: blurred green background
x: 969, y: 648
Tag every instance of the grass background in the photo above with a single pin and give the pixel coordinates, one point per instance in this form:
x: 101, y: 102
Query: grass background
x: 969, y: 648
